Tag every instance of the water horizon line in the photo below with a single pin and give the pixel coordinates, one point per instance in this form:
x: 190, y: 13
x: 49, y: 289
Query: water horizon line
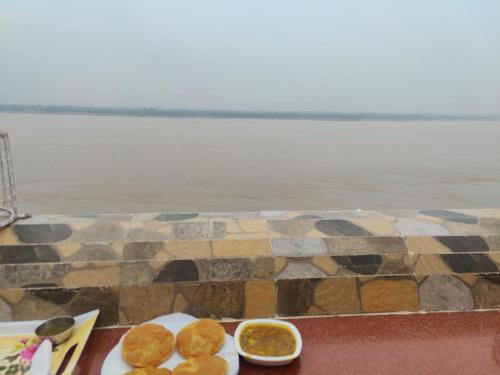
x: 240, y: 114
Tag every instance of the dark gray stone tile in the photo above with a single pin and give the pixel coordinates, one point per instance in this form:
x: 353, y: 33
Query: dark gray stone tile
x: 295, y: 297
x: 176, y: 216
x: 341, y: 228
x: 362, y: 264
x: 464, y: 244
x: 28, y: 254
x: 42, y: 233
x: 291, y: 228
x: 105, y: 299
x: 469, y: 263
x: 178, y: 271
x: 57, y: 296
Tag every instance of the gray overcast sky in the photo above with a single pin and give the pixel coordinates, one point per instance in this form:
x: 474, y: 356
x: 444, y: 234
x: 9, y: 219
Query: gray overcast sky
x: 326, y: 55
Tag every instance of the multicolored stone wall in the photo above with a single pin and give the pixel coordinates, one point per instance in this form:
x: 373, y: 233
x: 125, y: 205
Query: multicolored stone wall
x: 250, y: 264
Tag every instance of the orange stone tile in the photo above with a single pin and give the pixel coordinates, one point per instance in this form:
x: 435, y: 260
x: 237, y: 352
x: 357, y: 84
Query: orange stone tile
x: 337, y: 295
x: 389, y: 295
x: 260, y: 299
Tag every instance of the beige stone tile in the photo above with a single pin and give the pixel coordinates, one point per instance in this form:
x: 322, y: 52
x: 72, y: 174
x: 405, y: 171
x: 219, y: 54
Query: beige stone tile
x: 12, y: 296
x: 157, y: 264
x: 425, y: 245
x: 432, y: 219
x: 260, y: 299
x: 253, y: 226
x: 166, y: 230
x: 188, y: 249
x: 420, y: 279
x: 315, y: 234
x: 246, y: 236
x: 8, y: 237
x: 469, y: 279
x: 495, y: 257
x: 81, y: 225
x: 241, y: 248
x: 429, y: 264
x: 292, y: 214
x: 315, y: 310
x: 66, y: 249
x: 98, y: 276
x: 232, y: 227
x: 325, y: 264
x: 377, y: 226
x: 162, y: 255
x: 118, y: 248
x: 494, y: 213
x: 279, y: 264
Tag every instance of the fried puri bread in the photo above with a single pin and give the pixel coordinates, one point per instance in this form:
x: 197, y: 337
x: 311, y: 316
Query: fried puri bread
x: 149, y: 371
x: 147, y: 345
x: 204, y: 336
x: 202, y: 365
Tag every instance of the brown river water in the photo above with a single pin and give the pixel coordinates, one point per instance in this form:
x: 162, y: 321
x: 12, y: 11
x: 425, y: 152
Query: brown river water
x: 98, y: 164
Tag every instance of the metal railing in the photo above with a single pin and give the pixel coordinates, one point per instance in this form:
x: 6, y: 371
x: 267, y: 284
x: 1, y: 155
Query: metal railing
x: 8, y: 209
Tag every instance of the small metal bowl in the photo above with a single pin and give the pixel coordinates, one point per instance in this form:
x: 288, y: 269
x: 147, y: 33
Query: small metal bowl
x: 57, y: 330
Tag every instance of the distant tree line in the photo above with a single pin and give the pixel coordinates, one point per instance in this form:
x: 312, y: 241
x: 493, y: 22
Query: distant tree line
x: 289, y: 115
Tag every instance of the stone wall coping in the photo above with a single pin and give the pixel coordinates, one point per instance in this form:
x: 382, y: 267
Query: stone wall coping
x: 295, y: 263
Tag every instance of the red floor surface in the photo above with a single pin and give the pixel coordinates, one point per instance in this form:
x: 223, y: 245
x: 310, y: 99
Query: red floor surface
x: 455, y: 343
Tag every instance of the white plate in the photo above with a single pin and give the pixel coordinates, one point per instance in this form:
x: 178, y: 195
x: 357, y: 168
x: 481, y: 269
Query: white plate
x: 115, y: 365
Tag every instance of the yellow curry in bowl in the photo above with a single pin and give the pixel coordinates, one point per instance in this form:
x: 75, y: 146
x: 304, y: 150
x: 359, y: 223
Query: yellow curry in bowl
x: 267, y: 340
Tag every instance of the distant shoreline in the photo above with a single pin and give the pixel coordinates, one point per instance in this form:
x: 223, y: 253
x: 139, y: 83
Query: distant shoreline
x: 232, y: 114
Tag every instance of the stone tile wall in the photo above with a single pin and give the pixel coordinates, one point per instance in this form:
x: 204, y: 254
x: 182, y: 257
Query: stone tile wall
x: 250, y: 264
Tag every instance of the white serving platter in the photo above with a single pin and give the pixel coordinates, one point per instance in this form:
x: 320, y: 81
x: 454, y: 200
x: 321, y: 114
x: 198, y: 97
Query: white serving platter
x: 114, y: 363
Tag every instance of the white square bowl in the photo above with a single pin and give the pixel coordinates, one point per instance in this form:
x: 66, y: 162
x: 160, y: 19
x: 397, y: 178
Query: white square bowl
x: 264, y: 360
